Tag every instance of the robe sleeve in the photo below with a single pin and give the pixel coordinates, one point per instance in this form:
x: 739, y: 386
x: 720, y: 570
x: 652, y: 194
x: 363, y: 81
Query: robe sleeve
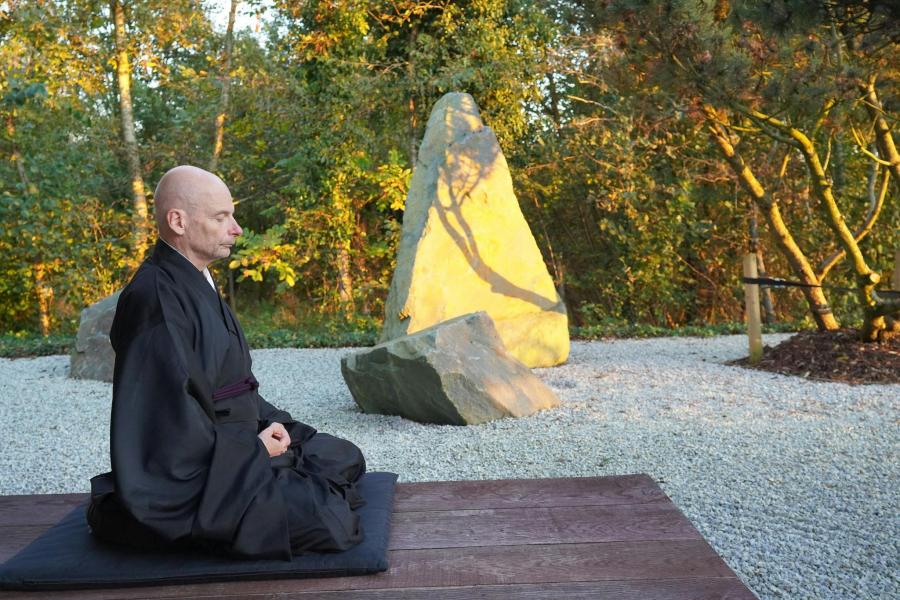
x: 175, y: 469
x: 268, y: 414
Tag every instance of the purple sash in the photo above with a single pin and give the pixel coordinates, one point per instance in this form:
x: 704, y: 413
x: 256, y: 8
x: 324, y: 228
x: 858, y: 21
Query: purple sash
x: 235, y: 389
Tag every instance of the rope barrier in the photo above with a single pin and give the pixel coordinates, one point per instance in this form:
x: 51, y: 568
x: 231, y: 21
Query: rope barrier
x: 777, y: 282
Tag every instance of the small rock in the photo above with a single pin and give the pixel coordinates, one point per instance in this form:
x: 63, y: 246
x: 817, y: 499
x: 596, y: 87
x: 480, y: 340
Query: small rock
x: 93, y: 357
x: 456, y: 373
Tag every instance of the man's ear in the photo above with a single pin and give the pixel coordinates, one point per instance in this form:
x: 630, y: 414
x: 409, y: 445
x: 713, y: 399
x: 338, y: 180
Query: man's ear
x: 177, y: 220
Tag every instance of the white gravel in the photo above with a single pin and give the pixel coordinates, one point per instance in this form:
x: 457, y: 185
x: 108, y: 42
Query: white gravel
x: 793, y: 482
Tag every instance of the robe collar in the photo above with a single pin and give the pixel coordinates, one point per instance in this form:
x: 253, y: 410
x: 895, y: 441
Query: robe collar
x: 183, y: 270
x: 165, y: 255
x: 205, y: 271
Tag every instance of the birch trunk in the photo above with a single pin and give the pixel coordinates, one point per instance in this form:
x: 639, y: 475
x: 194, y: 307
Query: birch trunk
x: 141, y: 227
x: 226, y: 90
x: 411, y: 104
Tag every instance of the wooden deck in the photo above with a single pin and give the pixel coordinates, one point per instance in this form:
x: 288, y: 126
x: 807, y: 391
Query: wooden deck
x: 599, y: 537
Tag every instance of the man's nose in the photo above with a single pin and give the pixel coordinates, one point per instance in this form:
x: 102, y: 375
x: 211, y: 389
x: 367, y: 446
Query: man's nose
x: 235, y: 228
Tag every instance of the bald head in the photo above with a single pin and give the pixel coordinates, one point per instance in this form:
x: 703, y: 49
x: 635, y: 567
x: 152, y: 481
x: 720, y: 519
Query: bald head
x: 185, y: 188
x: 195, y: 214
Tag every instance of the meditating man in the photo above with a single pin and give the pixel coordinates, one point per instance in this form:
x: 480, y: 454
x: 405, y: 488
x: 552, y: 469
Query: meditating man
x: 199, y: 458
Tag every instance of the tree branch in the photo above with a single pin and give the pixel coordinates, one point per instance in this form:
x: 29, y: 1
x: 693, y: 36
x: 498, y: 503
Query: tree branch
x: 884, y: 140
x: 784, y: 240
x: 862, y: 146
x: 876, y: 203
x: 770, y: 126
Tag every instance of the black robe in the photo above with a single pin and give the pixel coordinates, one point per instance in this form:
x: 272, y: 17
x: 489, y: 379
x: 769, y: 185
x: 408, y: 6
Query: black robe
x: 188, y: 469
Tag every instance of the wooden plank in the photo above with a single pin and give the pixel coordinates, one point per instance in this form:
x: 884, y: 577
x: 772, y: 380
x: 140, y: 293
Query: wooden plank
x: 672, y: 589
x: 435, y: 495
x: 418, y: 497
x: 504, y: 527
x: 522, y: 493
x: 561, y: 525
x: 43, y: 509
x: 440, y: 495
x: 461, y: 567
x: 579, y: 537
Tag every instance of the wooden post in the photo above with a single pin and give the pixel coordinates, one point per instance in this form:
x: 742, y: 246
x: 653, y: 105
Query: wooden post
x: 751, y: 294
x: 895, y: 279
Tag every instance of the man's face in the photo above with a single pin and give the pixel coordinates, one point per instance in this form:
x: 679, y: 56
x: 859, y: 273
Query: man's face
x: 211, y: 228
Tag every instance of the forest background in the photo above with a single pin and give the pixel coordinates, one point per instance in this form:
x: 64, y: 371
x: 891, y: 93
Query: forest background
x: 616, y: 118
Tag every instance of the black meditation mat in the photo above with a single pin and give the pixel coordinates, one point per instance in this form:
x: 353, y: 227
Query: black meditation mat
x: 67, y: 556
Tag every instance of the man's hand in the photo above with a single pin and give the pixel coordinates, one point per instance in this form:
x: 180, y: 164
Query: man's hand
x: 276, y: 439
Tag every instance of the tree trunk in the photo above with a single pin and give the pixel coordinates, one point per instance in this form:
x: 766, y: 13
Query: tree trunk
x: 554, y: 103
x: 756, y: 248
x: 895, y: 278
x: 345, y: 278
x: 892, y: 321
x: 559, y: 276
x: 226, y: 89
x: 123, y: 77
x: 411, y: 104
x: 867, y: 279
x: 876, y: 203
x: 768, y: 302
x: 44, y: 296
x: 883, y: 138
x: 359, y: 263
x: 800, y: 266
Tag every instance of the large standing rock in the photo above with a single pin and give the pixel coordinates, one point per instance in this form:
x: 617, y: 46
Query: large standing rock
x: 466, y: 247
x: 93, y: 357
x: 454, y: 373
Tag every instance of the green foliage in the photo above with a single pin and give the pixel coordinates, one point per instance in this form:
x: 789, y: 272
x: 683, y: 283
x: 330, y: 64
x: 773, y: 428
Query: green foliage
x: 789, y: 59
x: 596, y: 106
x: 28, y: 345
x: 258, y: 253
x: 331, y: 334
x: 63, y: 195
x: 284, y: 323
x: 85, y: 265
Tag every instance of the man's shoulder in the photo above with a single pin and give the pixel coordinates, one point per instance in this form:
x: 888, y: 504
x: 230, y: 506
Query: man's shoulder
x: 148, y: 297
x: 148, y: 284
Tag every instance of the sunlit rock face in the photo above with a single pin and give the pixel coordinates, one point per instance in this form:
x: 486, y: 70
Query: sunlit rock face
x: 466, y: 246
x: 454, y: 373
x: 93, y: 356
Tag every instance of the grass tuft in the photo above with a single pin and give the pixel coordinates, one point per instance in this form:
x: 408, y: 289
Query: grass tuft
x: 620, y: 329
x: 27, y: 345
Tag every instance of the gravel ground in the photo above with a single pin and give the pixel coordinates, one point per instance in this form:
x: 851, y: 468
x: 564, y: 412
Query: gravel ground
x: 794, y: 483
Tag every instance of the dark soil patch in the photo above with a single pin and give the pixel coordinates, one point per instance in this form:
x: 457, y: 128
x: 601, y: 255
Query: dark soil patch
x: 833, y: 356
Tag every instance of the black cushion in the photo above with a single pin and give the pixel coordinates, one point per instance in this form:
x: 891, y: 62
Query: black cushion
x: 67, y: 556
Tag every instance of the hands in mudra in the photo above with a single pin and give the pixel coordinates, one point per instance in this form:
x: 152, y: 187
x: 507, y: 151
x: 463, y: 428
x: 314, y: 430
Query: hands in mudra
x: 276, y: 439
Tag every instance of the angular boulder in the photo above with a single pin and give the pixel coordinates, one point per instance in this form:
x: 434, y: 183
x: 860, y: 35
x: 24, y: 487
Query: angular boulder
x: 454, y: 373
x: 93, y: 357
x: 466, y: 247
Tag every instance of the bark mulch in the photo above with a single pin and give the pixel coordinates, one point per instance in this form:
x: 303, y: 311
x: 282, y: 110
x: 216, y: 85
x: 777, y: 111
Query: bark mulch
x: 836, y: 355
